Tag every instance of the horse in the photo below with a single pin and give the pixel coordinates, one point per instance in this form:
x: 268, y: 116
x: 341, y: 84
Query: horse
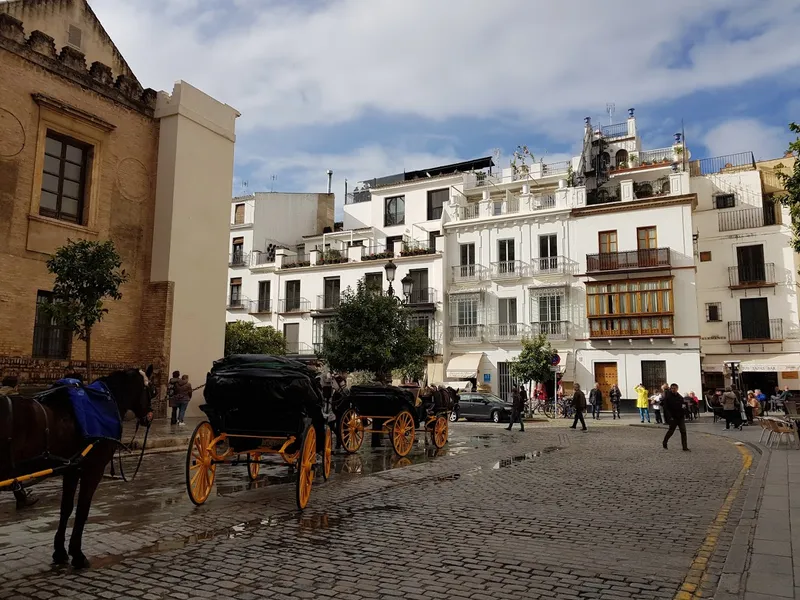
x: 46, y: 426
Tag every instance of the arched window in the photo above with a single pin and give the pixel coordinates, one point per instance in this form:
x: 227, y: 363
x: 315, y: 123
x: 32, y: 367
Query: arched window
x: 621, y: 157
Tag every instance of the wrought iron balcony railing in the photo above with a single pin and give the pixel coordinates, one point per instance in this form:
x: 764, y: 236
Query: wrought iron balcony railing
x: 506, y: 332
x: 730, y: 163
x: 549, y: 265
x: 422, y: 296
x: 755, y: 331
x: 508, y: 269
x: 747, y: 218
x: 239, y: 259
x: 328, y: 301
x: 651, y: 258
x: 466, y: 334
x: 468, y: 273
x: 752, y: 276
x: 293, y: 305
x: 554, y: 330
x: 238, y: 303
x: 615, y: 130
x: 262, y: 305
x: 470, y: 211
x: 298, y: 349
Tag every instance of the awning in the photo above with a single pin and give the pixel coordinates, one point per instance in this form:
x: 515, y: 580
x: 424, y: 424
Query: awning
x: 765, y: 363
x: 464, y: 366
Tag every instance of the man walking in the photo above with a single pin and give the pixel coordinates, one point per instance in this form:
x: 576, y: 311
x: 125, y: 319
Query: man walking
x: 596, y: 400
x: 172, y: 390
x: 579, y: 404
x: 518, y: 406
x: 615, y: 395
x: 673, y: 412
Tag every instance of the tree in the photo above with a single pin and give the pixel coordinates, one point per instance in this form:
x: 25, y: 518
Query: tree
x: 373, y: 332
x: 791, y: 183
x: 243, y: 337
x: 86, y: 273
x: 534, y: 362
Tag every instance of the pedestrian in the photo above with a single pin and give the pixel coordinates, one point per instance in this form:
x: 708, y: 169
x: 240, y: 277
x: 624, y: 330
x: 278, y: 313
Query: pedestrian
x: 673, y: 411
x: 172, y: 388
x: 596, y: 400
x: 10, y: 387
x: 730, y: 409
x: 615, y: 396
x: 751, y: 408
x: 524, y: 396
x: 517, y: 408
x: 183, y: 395
x: 655, y: 403
x: 762, y: 400
x: 642, y: 402
x: 695, y: 405
x: 579, y: 404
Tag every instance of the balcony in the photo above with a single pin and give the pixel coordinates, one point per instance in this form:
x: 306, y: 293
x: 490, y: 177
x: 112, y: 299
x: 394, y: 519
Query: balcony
x: 466, y: 273
x: 543, y: 201
x: 508, y: 269
x: 422, y: 296
x: 416, y: 248
x: 293, y: 305
x: 328, y: 302
x: 506, y: 332
x: 299, y: 349
x: 730, y: 163
x: 747, y: 276
x: 633, y: 260
x: 549, y: 265
x: 656, y: 157
x: 376, y: 252
x: 755, y: 331
x: 748, y: 218
x: 295, y: 261
x: 358, y: 196
x: 657, y: 325
x: 470, y: 211
x: 651, y: 189
x: 260, y: 306
x: 617, y: 130
x: 239, y: 259
x: 466, y: 334
x: 261, y: 259
x: 554, y: 330
x: 238, y: 303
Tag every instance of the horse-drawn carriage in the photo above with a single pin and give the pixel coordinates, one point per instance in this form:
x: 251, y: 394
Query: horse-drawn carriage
x: 258, y: 406
x: 397, y: 411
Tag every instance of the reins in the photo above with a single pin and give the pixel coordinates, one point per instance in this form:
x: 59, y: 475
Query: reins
x: 129, y: 448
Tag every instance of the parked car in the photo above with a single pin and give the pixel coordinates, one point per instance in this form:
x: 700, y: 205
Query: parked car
x: 475, y: 406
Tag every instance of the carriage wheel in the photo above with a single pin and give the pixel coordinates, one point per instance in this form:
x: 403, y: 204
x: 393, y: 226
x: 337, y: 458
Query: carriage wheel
x: 351, y: 430
x: 200, y: 469
x: 403, y: 433
x: 305, y: 467
x: 327, y: 454
x: 440, y: 432
x: 253, y: 465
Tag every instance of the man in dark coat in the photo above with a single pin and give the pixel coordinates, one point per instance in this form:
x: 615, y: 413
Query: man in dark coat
x: 596, y: 400
x: 674, y: 414
x: 517, y: 409
x: 579, y: 404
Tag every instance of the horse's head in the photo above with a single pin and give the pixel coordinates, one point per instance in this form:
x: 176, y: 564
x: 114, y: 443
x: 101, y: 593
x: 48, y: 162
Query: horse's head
x: 143, y: 399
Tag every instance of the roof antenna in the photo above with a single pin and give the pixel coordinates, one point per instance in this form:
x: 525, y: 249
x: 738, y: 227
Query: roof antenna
x: 610, y: 108
x: 272, y: 184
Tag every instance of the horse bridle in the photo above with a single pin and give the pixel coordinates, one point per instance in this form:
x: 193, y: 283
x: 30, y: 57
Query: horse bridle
x: 152, y: 393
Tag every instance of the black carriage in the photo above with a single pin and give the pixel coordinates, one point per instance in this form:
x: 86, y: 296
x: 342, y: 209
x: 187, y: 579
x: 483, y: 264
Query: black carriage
x: 258, y: 405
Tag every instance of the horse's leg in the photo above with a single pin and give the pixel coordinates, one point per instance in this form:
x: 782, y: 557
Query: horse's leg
x: 90, y: 479
x: 70, y: 484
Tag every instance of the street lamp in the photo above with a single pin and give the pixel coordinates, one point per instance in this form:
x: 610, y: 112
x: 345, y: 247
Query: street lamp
x: 408, y: 286
x: 390, y: 269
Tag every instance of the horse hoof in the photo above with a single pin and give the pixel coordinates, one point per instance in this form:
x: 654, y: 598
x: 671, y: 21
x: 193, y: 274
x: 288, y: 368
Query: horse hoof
x: 60, y: 557
x: 80, y: 562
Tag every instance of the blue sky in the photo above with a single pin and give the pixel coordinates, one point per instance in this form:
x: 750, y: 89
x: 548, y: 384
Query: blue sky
x: 372, y: 87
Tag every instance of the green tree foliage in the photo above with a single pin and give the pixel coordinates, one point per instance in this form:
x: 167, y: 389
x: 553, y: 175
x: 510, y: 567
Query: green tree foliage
x: 791, y: 182
x: 86, y: 273
x: 534, y: 362
x: 372, y: 332
x: 243, y: 337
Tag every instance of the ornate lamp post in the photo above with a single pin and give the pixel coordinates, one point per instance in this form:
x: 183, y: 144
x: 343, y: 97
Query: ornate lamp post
x: 390, y: 269
x: 408, y: 287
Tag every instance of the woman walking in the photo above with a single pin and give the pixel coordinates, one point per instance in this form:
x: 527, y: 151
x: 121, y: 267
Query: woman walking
x: 730, y: 407
x: 615, y: 396
x: 183, y: 395
x: 642, y: 402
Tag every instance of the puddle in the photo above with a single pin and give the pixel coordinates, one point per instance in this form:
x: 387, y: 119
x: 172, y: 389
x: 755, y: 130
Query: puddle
x: 507, y: 462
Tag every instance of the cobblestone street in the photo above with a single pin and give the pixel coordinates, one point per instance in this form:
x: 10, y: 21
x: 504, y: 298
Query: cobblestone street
x: 548, y: 513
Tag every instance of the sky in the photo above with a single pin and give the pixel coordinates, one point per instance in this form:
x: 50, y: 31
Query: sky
x: 368, y: 88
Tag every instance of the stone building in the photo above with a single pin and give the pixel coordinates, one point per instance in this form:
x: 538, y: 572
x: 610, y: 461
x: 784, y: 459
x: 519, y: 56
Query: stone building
x: 87, y: 153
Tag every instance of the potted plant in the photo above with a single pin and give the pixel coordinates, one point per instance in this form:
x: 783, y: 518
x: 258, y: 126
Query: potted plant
x: 633, y: 160
x: 623, y: 164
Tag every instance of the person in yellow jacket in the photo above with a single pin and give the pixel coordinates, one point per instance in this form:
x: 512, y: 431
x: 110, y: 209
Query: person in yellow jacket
x: 642, y: 402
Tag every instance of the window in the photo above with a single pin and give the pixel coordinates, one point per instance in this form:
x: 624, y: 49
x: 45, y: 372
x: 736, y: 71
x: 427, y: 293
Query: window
x: 465, y: 309
x: 50, y: 340
x: 423, y: 321
x: 705, y: 257
x: 432, y: 235
x: 550, y: 308
x: 607, y: 241
x: 654, y: 374
x: 724, y: 201
x: 546, y: 311
x: 505, y: 254
x: 646, y: 238
x: 235, y: 292
x: 713, y: 312
x: 332, y: 294
x: 264, y: 297
x: 66, y: 162
x: 420, y: 294
x: 237, y: 256
x: 750, y: 265
x: 548, y: 252
x: 374, y: 282
x: 322, y: 328
x: 507, y: 316
x: 394, y: 211
x: 74, y: 37
x: 637, y: 307
x: 292, y: 301
x: 436, y: 201
x: 238, y: 214
x: 467, y: 266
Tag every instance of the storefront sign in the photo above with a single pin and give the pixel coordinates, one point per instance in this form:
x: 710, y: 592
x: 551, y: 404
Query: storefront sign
x: 789, y: 374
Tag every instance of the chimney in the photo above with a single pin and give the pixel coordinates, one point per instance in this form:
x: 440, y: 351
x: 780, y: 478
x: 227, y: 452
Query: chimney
x: 330, y: 180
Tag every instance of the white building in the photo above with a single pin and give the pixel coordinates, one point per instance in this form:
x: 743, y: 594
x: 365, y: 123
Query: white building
x: 606, y: 254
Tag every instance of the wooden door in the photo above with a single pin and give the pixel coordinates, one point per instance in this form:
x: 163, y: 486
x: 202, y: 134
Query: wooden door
x: 605, y: 373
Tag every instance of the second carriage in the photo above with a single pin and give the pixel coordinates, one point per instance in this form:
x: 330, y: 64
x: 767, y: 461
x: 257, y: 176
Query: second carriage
x: 400, y: 412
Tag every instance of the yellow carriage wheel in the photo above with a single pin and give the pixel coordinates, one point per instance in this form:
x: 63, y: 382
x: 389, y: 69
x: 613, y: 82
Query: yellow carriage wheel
x: 440, y: 432
x: 351, y: 430
x: 327, y: 454
x: 253, y: 465
x: 403, y: 431
x: 200, y: 468
x: 305, y: 467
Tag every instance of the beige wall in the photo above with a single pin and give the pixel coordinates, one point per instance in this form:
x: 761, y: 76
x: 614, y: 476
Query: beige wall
x: 195, y: 164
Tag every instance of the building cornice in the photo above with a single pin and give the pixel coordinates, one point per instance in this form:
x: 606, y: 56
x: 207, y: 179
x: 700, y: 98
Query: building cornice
x: 487, y: 222
x: 614, y: 207
x: 361, y: 263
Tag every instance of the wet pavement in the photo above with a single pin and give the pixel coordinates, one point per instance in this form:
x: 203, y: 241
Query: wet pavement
x: 545, y: 513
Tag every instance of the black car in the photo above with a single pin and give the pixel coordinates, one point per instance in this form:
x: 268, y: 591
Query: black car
x: 482, y: 407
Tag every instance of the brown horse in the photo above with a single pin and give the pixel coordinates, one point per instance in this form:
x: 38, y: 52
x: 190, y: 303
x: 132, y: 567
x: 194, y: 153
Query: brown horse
x: 47, y: 427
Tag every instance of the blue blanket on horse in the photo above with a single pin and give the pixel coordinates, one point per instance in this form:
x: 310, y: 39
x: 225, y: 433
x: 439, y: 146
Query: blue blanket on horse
x: 96, y: 412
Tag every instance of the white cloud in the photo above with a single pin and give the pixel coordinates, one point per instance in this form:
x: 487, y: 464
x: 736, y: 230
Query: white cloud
x: 281, y: 65
x: 742, y: 135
